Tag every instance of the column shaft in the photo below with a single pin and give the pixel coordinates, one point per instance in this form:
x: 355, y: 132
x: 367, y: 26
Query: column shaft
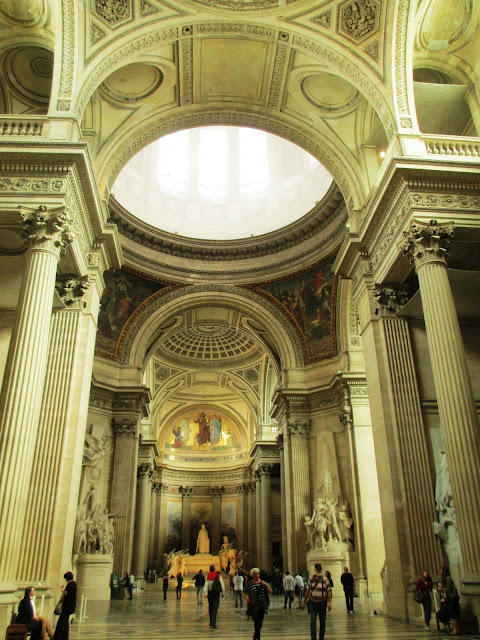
x: 124, y: 493
x: 456, y: 407
x: 141, y: 521
x: 283, y: 505
x: 301, y: 493
x: 20, y: 400
x: 266, y: 520
x: 186, y: 517
x: 251, y: 560
x: 258, y: 524
x: 162, y: 523
x: 216, y: 522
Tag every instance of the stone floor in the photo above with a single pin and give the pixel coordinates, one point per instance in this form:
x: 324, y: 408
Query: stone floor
x: 147, y: 616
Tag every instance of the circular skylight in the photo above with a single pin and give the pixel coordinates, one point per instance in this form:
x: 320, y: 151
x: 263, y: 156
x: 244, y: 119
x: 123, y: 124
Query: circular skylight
x: 221, y: 183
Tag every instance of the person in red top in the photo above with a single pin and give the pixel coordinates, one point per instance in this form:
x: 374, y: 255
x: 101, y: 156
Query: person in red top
x: 424, y: 584
x: 213, y: 589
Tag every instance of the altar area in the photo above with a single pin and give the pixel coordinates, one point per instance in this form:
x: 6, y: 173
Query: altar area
x: 201, y: 561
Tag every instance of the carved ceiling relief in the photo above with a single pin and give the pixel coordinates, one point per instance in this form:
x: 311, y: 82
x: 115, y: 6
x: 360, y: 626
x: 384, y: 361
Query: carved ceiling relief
x: 113, y: 12
x: 359, y: 19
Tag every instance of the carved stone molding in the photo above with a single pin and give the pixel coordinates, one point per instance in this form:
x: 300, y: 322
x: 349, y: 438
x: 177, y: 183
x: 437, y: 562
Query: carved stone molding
x: 427, y: 242
x: 359, y: 19
x: 131, y: 401
x: 325, y: 399
x: 113, y: 12
x: 279, y: 440
x: 125, y: 427
x: 390, y: 298
x: 71, y: 290
x: 299, y: 428
x: 47, y: 229
x: 33, y: 185
x: 186, y: 492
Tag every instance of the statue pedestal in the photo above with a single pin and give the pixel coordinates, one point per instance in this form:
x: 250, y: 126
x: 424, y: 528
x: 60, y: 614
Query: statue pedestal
x: 332, y: 558
x: 201, y: 561
x: 93, y: 576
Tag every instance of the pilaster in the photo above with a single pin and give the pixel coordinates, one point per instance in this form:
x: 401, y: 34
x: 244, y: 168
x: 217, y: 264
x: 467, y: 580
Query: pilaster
x: 264, y: 471
x: 186, y: 493
x: 142, y: 523
x: 216, y: 493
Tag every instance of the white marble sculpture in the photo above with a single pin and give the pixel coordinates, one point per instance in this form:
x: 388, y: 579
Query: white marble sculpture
x: 203, y: 541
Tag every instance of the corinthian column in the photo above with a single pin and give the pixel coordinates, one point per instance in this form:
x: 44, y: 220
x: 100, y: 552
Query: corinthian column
x: 264, y: 471
x: 162, y: 529
x: 124, y: 490
x: 56, y: 472
x: 216, y: 493
x: 251, y: 522
x: 186, y: 515
x: 297, y: 435
x: 144, y: 476
x: 48, y: 234
x: 426, y: 244
x: 283, y: 506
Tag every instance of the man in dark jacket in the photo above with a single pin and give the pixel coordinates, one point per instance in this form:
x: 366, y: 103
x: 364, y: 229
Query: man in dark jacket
x: 213, y: 589
x: 347, y: 581
x: 199, y: 584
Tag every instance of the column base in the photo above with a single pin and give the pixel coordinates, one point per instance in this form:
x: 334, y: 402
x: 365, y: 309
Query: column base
x: 8, y: 604
x: 93, y: 576
x: 201, y: 561
x: 470, y: 584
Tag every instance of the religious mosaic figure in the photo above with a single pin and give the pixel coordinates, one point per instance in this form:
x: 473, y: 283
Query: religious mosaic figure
x: 203, y: 436
x: 203, y: 541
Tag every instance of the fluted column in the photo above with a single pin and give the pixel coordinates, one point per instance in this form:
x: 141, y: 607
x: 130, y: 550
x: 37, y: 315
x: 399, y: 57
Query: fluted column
x: 251, y: 524
x: 283, y: 506
x: 426, y: 244
x: 186, y: 515
x: 265, y: 471
x: 216, y: 493
x: 140, y: 548
x: 124, y: 491
x: 153, y: 534
x: 298, y: 431
x: 48, y: 234
x: 162, y: 528
x: 425, y: 548
x: 56, y: 472
x: 258, y: 521
x: 241, y: 517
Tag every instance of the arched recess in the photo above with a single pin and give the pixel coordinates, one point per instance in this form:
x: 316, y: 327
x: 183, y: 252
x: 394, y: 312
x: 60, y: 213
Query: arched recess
x: 143, y: 329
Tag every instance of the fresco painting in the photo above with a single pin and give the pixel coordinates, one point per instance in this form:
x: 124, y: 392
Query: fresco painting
x: 123, y: 293
x: 174, y: 525
x: 310, y: 299
x: 207, y: 430
x: 229, y: 519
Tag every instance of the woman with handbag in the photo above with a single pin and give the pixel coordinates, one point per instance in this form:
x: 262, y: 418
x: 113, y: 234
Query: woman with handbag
x: 424, y: 585
x: 39, y: 626
x: 68, y: 607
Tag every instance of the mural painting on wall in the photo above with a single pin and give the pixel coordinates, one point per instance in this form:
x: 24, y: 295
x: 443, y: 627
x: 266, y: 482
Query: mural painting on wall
x: 310, y: 300
x: 123, y: 293
x: 174, y: 525
x: 202, y: 431
x: 201, y: 513
x: 229, y: 520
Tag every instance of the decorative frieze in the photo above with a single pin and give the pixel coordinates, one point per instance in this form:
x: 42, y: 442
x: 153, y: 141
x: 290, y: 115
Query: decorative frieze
x: 35, y: 185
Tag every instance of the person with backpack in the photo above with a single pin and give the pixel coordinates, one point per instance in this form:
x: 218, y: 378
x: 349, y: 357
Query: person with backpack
x: 319, y: 598
x: 213, y: 589
x: 257, y: 593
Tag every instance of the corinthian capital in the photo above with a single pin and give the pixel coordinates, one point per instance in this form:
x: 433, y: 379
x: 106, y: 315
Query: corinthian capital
x: 427, y: 242
x: 49, y: 229
x: 265, y: 470
x: 126, y: 427
x: 144, y: 469
x: 71, y: 290
x: 389, y: 298
x: 300, y: 428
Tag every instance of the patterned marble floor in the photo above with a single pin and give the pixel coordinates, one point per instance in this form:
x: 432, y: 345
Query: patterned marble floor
x: 147, y: 616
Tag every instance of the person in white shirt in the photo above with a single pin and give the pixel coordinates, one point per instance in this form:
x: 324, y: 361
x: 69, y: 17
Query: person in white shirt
x: 288, y: 588
x: 299, y: 589
x: 130, y: 586
x: 238, y: 589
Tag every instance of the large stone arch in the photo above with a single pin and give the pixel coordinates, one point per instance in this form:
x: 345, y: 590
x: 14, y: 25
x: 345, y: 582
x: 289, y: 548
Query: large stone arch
x: 159, y: 308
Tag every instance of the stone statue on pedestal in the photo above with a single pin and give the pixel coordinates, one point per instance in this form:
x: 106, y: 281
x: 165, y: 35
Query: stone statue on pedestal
x: 203, y: 541
x: 224, y: 553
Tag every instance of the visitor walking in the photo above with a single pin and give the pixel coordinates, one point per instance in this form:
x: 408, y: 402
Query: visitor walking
x: 165, y: 587
x: 452, y: 600
x: 213, y: 589
x: 299, y: 589
x: 68, y: 607
x: 256, y: 593
x: 179, y: 585
x: 288, y: 588
x: 130, y: 586
x: 347, y: 582
x: 199, y: 584
x: 238, y: 589
x: 319, y: 598
x: 425, y: 585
